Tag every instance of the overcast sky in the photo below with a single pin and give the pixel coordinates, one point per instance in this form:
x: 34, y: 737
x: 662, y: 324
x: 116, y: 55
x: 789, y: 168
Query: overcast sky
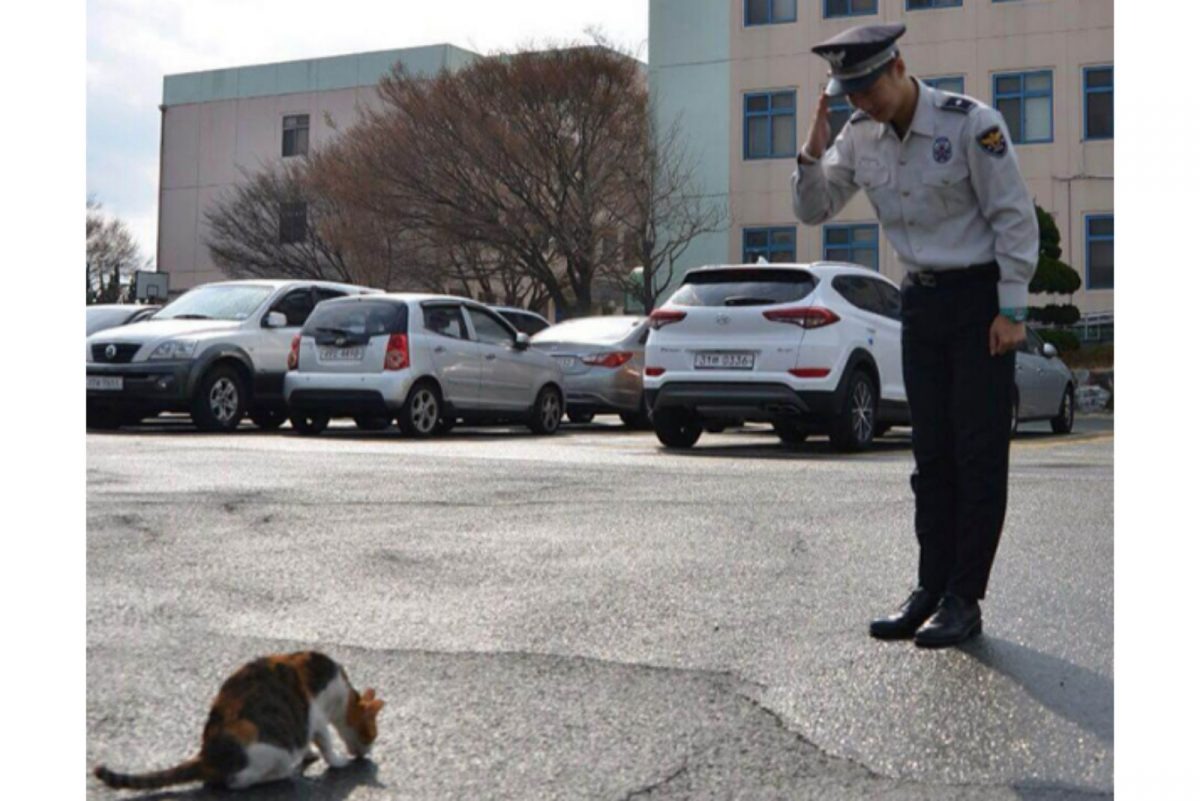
x: 132, y: 44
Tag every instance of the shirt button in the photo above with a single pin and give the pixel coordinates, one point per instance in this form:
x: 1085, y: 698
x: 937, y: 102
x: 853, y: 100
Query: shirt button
x: 903, y: 162
x: 905, y: 193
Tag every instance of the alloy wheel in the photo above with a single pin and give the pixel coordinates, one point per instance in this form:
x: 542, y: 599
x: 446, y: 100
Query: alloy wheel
x: 862, y: 412
x: 423, y: 411
x: 223, y: 399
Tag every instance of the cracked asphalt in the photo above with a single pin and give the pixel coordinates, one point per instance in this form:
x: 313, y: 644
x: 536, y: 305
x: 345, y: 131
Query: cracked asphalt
x: 588, y: 616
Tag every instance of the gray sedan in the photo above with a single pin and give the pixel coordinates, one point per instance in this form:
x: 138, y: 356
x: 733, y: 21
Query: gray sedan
x: 1045, y: 386
x: 602, y: 360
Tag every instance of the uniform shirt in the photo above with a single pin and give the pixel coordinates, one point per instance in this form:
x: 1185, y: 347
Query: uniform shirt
x: 949, y: 195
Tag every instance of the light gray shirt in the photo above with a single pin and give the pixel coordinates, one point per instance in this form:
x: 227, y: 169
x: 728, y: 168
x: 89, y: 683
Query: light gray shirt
x: 948, y: 195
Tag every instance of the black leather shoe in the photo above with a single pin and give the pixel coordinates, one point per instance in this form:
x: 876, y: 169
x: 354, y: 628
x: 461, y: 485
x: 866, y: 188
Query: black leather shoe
x: 908, y: 618
x: 955, y: 620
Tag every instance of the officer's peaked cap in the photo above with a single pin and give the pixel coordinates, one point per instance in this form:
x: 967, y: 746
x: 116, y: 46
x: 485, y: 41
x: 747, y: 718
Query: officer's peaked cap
x: 857, y: 56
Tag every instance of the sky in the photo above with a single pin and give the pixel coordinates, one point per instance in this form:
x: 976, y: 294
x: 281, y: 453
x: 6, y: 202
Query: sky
x: 132, y: 44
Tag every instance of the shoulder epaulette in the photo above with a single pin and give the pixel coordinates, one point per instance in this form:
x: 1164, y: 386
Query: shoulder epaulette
x: 957, y: 103
x: 859, y: 116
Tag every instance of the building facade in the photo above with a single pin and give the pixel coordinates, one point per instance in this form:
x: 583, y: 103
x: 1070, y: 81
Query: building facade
x: 218, y: 123
x: 740, y: 78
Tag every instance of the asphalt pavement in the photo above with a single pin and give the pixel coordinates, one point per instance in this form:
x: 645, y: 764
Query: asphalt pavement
x: 589, y: 616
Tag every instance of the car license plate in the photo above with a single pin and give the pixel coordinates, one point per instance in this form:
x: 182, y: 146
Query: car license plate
x: 724, y: 361
x: 341, y: 354
x: 565, y: 362
x: 108, y: 383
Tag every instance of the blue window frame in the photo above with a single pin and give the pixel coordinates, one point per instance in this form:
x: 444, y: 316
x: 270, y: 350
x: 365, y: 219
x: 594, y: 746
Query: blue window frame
x: 769, y: 12
x: 1026, y: 99
x: 769, y: 131
x: 850, y: 8
x: 1098, y: 102
x: 856, y: 243
x: 1098, y: 260
x: 947, y: 83
x: 776, y: 244
x: 921, y: 5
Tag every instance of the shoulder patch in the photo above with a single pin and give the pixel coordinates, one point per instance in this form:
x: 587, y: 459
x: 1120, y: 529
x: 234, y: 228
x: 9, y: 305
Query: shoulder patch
x: 992, y: 141
x: 957, y: 103
x: 859, y: 116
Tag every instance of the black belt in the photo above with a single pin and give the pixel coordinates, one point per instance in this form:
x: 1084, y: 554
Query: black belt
x: 988, y: 272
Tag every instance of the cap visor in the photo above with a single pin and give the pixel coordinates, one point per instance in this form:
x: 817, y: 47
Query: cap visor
x: 848, y: 86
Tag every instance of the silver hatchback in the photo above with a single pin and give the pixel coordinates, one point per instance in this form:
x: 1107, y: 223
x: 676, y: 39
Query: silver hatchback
x: 1045, y: 386
x: 602, y: 359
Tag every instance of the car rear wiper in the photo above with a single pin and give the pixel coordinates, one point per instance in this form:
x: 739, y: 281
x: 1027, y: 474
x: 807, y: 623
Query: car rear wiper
x: 335, y: 330
x: 748, y: 300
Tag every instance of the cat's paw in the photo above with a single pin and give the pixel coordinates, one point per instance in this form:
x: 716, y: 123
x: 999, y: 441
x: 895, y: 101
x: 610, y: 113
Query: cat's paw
x: 338, y: 762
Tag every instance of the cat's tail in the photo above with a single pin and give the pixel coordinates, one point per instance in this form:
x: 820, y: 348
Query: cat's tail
x: 190, y: 771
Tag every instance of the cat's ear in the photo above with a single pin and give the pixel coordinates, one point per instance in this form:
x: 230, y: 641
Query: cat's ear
x: 368, y: 696
x: 374, y: 706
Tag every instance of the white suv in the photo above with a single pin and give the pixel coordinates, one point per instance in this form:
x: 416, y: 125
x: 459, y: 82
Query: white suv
x: 806, y: 347
x: 426, y: 360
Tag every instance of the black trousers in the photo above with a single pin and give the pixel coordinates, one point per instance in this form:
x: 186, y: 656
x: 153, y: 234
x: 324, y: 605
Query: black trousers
x: 960, y: 397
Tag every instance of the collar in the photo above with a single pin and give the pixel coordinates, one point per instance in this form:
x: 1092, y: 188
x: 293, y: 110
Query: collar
x: 923, y: 115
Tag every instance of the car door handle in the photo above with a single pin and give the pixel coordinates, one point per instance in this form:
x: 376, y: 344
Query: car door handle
x: 870, y: 330
x: 439, y: 349
x: 490, y: 357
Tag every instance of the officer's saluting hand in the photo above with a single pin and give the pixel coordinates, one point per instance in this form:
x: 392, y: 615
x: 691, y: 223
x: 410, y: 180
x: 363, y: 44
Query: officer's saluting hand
x: 944, y: 182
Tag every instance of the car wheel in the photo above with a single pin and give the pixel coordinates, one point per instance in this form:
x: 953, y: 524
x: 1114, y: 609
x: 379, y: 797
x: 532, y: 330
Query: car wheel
x: 677, y: 428
x: 547, y: 412
x: 1065, y: 421
x: 854, y: 426
x: 790, y: 433
x: 309, y: 424
x: 581, y: 417
x: 220, y: 400
x: 268, y: 419
x: 422, y: 411
x: 372, y: 423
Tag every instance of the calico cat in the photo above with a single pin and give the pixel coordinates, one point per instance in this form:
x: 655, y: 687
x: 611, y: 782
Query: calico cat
x: 262, y: 722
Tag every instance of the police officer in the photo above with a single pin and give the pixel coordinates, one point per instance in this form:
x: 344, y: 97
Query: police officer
x: 940, y: 172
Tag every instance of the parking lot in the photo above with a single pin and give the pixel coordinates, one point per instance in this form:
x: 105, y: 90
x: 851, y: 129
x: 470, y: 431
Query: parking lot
x: 588, y: 615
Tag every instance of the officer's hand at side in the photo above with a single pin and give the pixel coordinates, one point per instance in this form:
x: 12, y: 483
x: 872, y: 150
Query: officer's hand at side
x: 1005, y: 335
x: 819, y: 131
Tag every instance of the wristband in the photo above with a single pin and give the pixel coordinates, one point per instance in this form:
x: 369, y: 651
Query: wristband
x: 1016, y: 315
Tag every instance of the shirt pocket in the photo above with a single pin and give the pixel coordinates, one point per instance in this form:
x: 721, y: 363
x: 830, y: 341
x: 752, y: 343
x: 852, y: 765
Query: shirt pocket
x: 947, y: 190
x: 876, y: 180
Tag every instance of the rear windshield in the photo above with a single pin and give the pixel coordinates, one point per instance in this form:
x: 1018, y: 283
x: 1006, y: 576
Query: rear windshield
x: 743, y: 286
x: 590, y: 329
x: 356, y: 320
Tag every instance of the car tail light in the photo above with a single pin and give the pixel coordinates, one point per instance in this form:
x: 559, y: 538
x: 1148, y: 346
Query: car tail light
x: 805, y: 317
x: 614, y: 359
x: 294, y: 354
x: 809, y: 372
x: 653, y: 371
x: 397, y: 353
x: 664, y: 317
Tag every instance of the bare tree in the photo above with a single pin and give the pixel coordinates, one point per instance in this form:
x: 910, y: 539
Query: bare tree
x: 111, y: 253
x: 271, y: 225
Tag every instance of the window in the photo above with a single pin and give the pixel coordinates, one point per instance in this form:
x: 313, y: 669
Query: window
x: 770, y: 128
x: 769, y: 12
x: 1026, y: 99
x: 296, y: 306
x: 839, y: 113
x: 295, y: 135
x: 859, y: 292
x: 946, y: 83
x: 850, y: 8
x: 776, y: 244
x: 744, y: 286
x: 1097, y: 102
x: 489, y: 329
x: 293, y: 222
x: 858, y: 244
x: 890, y: 299
x: 1099, y: 260
x: 920, y: 5
x: 446, y: 321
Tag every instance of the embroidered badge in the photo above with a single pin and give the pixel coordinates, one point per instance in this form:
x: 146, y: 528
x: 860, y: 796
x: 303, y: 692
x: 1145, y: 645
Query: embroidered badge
x: 992, y: 141
x: 942, y: 150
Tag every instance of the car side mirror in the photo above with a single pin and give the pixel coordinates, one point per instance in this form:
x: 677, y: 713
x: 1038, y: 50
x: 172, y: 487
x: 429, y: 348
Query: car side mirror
x: 522, y: 341
x: 275, y: 320
x: 1048, y: 350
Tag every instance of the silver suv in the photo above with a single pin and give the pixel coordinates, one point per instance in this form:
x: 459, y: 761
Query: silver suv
x: 426, y: 360
x: 218, y: 352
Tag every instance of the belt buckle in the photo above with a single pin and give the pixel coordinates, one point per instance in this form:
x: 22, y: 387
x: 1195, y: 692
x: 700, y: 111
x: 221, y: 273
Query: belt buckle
x: 925, y: 278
